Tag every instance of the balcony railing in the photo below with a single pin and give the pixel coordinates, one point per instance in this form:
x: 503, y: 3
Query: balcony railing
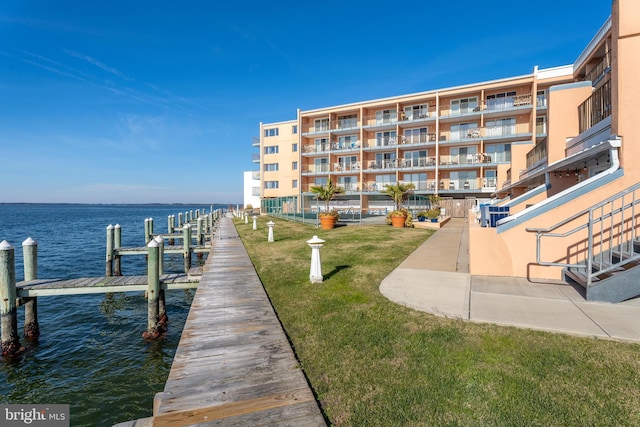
x: 311, y: 169
x: 428, y: 185
x: 537, y: 154
x: 596, y: 108
x: 599, y: 70
x: 333, y: 146
x: 381, y: 119
x: 346, y: 167
x: 515, y: 130
x: 255, y: 157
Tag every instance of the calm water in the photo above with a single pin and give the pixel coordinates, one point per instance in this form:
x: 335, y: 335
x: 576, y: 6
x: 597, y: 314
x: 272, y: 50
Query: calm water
x: 90, y: 353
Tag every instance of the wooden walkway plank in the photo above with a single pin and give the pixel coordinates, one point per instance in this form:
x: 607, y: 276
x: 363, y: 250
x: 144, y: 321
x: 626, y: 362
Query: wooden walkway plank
x: 234, y: 365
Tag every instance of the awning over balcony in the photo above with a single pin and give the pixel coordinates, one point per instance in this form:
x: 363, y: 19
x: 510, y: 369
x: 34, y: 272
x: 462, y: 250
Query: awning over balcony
x: 575, y: 161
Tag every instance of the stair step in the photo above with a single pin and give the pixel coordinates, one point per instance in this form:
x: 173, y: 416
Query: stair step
x: 579, y: 276
x: 597, y: 266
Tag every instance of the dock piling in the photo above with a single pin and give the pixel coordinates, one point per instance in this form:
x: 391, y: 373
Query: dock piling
x: 117, y: 243
x: 8, y: 294
x: 30, y: 257
x: 154, y: 328
x: 109, y: 265
x: 186, y: 245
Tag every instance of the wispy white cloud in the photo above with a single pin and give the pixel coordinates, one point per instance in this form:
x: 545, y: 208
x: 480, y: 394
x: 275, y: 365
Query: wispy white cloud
x: 98, y: 64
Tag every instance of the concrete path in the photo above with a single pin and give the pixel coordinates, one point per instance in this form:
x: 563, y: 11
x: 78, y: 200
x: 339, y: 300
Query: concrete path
x: 435, y: 278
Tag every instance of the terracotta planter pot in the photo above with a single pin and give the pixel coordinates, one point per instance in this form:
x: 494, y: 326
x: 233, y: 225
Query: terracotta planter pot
x: 327, y: 222
x: 398, y: 221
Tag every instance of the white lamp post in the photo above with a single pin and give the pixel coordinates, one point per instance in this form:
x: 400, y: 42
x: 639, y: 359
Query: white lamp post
x: 315, y: 273
x: 246, y: 218
x: 255, y: 225
x: 270, y: 224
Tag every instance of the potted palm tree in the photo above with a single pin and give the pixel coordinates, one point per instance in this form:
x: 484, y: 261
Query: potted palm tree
x: 327, y: 193
x: 399, y: 193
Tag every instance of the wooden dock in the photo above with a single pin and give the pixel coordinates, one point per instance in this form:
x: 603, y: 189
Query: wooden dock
x: 234, y: 365
x: 96, y: 285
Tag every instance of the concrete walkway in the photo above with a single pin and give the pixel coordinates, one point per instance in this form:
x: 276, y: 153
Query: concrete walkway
x: 435, y: 278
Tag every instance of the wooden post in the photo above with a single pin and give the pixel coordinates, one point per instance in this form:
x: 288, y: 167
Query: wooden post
x: 171, y: 223
x: 186, y: 247
x: 162, y: 306
x: 109, y: 267
x: 30, y: 259
x: 8, y: 294
x: 180, y: 219
x: 154, y: 330
x: 117, y: 243
x: 200, y: 232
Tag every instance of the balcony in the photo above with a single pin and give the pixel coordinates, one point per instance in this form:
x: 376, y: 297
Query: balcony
x: 326, y: 148
x: 316, y: 129
x: 315, y: 169
x: 596, y: 108
x: 537, y: 155
x: 255, y: 158
x: 516, y: 131
x: 340, y: 167
x: 255, y: 141
x: 468, y: 159
x: 428, y: 185
x: 413, y: 118
x: 381, y: 121
x: 387, y: 141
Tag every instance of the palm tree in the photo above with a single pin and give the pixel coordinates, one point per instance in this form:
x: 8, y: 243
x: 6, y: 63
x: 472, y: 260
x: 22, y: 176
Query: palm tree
x: 399, y: 193
x: 326, y: 193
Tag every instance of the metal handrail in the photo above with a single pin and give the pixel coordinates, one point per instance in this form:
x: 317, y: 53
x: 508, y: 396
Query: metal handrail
x: 607, y: 246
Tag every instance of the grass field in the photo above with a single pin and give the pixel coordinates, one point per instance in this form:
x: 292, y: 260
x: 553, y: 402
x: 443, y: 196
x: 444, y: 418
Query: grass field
x: 374, y: 363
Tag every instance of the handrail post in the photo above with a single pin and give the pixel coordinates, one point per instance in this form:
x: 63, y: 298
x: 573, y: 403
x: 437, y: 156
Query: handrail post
x: 10, y: 343
x: 30, y: 260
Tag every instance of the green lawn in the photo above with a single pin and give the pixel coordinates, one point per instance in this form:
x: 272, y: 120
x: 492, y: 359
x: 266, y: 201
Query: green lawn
x: 374, y: 363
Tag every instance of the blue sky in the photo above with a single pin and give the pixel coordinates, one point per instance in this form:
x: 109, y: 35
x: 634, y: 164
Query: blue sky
x: 157, y: 101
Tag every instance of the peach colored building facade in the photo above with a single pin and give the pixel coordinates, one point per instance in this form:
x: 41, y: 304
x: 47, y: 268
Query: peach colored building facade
x: 548, y: 146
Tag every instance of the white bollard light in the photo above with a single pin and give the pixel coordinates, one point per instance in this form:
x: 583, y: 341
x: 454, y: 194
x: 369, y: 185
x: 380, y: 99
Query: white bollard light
x: 315, y: 273
x: 246, y: 218
x: 255, y: 225
x: 270, y: 224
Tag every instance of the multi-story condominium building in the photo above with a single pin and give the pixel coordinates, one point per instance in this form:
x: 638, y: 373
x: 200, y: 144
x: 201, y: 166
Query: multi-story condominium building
x: 548, y: 146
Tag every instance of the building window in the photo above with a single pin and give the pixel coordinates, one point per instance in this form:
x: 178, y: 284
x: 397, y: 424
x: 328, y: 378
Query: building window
x: 294, y: 183
x: 464, y: 105
x: 270, y: 185
x: 465, y: 131
x: 271, y: 167
x: 415, y: 112
x: 271, y: 132
x: 386, y: 116
x: 415, y: 136
x: 255, y: 191
x: 347, y: 142
x: 294, y: 147
x: 320, y: 181
x: 498, y: 153
x: 415, y: 158
x: 271, y: 149
x: 294, y: 166
x: 349, y: 183
x: 322, y: 144
x: 500, y: 127
x: 294, y: 129
x: 321, y: 125
x: 348, y: 121
x: 386, y: 138
x: 500, y: 101
x: 321, y: 165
